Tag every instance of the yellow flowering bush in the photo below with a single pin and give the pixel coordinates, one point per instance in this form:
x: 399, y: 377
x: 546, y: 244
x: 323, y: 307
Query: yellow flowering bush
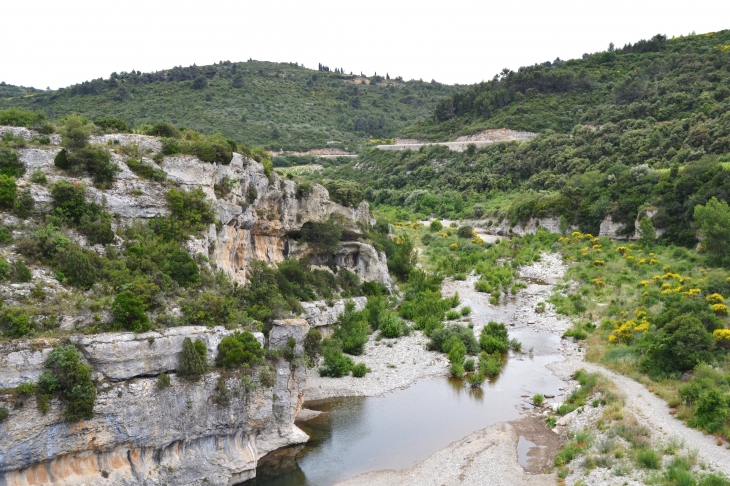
x: 477, y: 241
x: 598, y: 282
x: 719, y: 309
x: 454, y: 246
x: 715, y: 299
x: 644, y: 283
x: 692, y: 292
x: 598, y: 263
x: 653, y: 262
x: 622, y: 250
x: 723, y: 337
x: 624, y: 332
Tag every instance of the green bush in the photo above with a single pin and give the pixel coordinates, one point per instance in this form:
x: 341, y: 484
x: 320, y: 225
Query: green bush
x: 476, y: 379
x: 4, y: 269
x: 200, y: 82
x: 192, y: 364
x: 465, y: 311
x: 190, y: 213
x: 69, y: 379
x: 490, y: 364
x: 456, y: 370
x: 19, y: 117
x: 80, y: 267
x: 377, y: 307
x: 457, y: 350
x: 324, y: 238
x: 679, y: 346
x: 14, y: 323
x: 21, y: 272
x: 360, y: 370
x: 347, y: 193
x: 70, y: 206
x: 146, y: 171
x: 465, y: 232
x: 4, y: 413
x: 163, y: 129
x: 239, y: 349
x: 391, y: 326
x: 112, y: 125
x: 351, y: 332
x: 75, y: 132
x: 494, y: 338
x: 10, y: 164
x: 714, y: 225
x: 440, y: 338
x: 129, y: 312
x: 163, y: 381
x: 24, y: 204
x: 182, y: 268
x: 452, y: 315
x: 61, y: 160
x: 435, y: 225
x: 336, y: 364
x: 171, y: 146
x: 313, y: 345
x: 648, y: 458
x: 8, y: 191
x: 470, y: 365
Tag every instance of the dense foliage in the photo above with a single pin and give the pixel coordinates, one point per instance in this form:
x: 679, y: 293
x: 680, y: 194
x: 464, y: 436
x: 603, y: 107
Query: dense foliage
x: 276, y: 105
x: 68, y: 378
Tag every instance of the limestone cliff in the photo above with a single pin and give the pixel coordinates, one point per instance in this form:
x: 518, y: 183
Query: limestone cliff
x: 142, y: 435
x: 260, y: 216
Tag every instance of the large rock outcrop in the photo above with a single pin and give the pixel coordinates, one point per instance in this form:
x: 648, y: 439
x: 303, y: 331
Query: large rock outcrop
x: 142, y: 435
x: 261, y: 216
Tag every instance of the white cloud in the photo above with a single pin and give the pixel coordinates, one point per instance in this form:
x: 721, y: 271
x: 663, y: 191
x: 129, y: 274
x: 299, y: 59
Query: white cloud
x: 57, y: 43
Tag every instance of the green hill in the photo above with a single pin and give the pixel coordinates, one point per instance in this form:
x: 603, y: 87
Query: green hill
x: 274, y: 105
x: 660, y: 79
x: 642, y: 127
x: 10, y: 91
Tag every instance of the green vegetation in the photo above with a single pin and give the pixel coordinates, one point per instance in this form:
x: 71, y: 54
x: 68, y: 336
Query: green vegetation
x: 78, y: 157
x: 239, y: 349
x: 193, y: 363
x: 69, y: 379
x: 163, y: 381
x: 129, y: 312
x: 275, y: 105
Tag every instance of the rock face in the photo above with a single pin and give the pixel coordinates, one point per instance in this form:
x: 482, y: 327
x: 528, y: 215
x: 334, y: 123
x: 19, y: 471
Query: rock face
x: 479, y: 140
x: 319, y: 315
x: 142, y: 435
x: 261, y: 216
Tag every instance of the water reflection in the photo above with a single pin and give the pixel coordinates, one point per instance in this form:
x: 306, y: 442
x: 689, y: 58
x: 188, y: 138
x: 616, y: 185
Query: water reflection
x: 396, y: 430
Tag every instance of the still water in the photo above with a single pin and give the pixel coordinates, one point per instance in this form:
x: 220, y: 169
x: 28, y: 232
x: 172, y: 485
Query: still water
x: 403, y: 427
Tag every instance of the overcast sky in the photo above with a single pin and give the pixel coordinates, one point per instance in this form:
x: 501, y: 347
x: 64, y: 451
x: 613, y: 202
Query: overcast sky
x: 57, y: 43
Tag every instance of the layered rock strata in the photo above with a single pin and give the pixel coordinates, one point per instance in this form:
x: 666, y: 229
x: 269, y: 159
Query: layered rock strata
x: 186, y: 433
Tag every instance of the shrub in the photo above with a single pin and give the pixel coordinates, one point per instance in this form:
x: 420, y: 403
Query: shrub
x: 20, y: 117
x: 478, y: 211
x: 336, y: 364
x: 146, y: 171
x: 494, y: 338
x: 452, y: 315
x: 464, y: 232
x: 4, y: 269
x: 377, y: 308
x: 79, y: 267
x: 679, y: 346
x: 351, y: 330
x: 457, y: 350
x: 14, y: 323
x: 403, y: 260
x: 441, y: 339
x: 239, y: 349
x: 200, y: 82
x: 313, y: 345
x: 648, y: 458
x: 304, y: 189
x: 75, y: 132
x: 191, y: 365
x: 4, y: 413
x: 163, y: 381
x: 10, y: 164
x: 538, y: 400
x: 129, y: 312
x: 435, y: 225
x: 465, y: 311
x: 8, y: 191
x: 347, y: 193
x: 69, y: 379
x: 163, y: 129
x: 21, y: 272
x: 470, y: 365
x: 489, y: 364
x: 391, y: 326
x: 210, y: 149
x: 112, y: 124
x: 324, y: 237
x: 456, y: 370
x: 190, y: 212
x: 24, y: 204
x: 61, y: 160
x: 182, y: 268
x: 714, y: 224
x: 360, y: 370
x: 38, y: 177
x: 476, y: 379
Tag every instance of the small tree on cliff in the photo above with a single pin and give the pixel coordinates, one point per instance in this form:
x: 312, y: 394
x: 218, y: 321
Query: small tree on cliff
x: 192, y: 364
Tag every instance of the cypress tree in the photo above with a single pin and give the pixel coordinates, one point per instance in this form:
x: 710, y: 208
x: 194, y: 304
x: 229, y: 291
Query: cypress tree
x: 192, y: 365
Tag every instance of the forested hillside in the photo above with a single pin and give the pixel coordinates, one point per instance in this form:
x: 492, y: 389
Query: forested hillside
x: 275, y: 105
x: 660, y: 79
x: 642, y: 127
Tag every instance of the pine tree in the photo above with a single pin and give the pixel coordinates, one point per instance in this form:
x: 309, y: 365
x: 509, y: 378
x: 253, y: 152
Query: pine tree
x: 192, y: 365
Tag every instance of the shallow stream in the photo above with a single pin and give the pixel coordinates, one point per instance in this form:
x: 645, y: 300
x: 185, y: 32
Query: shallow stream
x: 399, y: 429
